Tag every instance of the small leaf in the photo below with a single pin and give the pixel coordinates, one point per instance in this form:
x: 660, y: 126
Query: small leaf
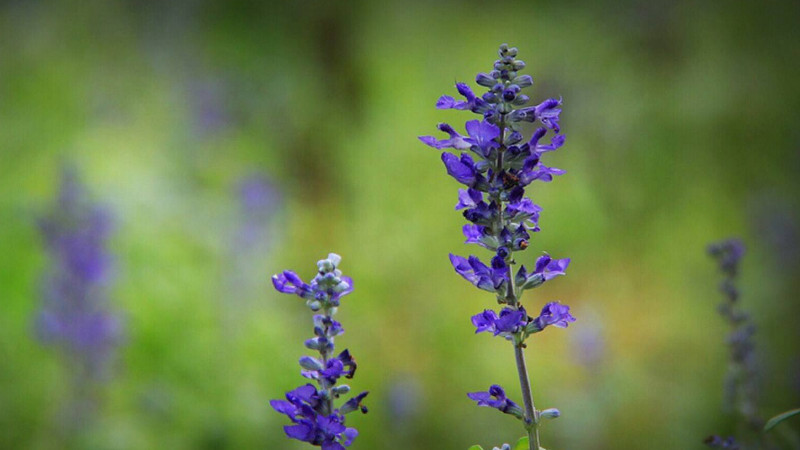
x: 475, y: 447
x: 521, y: 444
x: 771, y: 423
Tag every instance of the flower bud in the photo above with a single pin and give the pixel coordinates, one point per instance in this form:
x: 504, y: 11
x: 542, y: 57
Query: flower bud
x: 520, y: 100
x: 484, y: 80
x: 341, y: 287
x: 334, y: 259
x: 550, y: 413
x: 325, y: 266
x: 314, y: 305
x: 312, y: 344
x: 533, y: 281
x: 341, y: 390
x: 523, y: 81
x: 309, y: 363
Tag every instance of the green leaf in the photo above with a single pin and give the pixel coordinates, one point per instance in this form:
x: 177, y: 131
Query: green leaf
x: 780, y: 418
x: 475, y: 447
x: 521, y: 444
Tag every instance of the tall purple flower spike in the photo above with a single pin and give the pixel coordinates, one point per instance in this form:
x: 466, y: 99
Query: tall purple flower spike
x: 315, y: 418
x: 75, y: 316
x: 496, y: 165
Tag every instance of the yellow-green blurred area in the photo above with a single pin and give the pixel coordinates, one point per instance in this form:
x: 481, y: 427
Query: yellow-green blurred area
x: 682, y: 128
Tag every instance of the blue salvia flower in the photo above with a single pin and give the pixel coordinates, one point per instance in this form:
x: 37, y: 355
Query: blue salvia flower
x: 741, y: 383
x: 496, y: 164
x: 75, y: 316
x: 315, y: 419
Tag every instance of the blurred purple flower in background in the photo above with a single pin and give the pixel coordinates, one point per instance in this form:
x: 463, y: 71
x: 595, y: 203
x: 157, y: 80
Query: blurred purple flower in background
x: 259, y: 201
x: 74, y: 316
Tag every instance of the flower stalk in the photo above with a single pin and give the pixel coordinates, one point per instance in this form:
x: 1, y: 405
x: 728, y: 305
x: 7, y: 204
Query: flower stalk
x: 496, y: 167
x: 315, y: 419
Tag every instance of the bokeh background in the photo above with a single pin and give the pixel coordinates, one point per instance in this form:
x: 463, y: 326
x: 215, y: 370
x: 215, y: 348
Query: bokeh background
x: 681, y: 120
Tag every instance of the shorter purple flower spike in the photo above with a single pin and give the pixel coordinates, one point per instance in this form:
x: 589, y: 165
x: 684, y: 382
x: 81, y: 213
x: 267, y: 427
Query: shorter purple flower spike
x: 311, y: 409
x: 496, y: 398
x: 554, y: 314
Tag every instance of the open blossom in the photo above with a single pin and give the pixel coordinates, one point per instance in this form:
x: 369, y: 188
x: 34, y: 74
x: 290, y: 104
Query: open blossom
x: 496, y: 398
x: 554, y: 314
x: 506, y: 324
x: 315, y: 419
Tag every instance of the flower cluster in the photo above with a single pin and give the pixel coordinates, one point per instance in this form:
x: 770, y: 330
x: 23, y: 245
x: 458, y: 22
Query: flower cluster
x: 741, y: 383
x: 74, y: 315
x: 496, y: 164
x: 311, y: 408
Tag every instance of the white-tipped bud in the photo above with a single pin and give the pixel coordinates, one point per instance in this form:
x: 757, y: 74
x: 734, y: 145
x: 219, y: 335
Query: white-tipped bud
x: 550, y: 413
x: 334, y: 259
x: 309, y: 363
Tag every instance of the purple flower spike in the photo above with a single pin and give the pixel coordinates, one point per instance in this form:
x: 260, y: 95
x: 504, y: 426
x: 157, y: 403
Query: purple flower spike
x: 496, y: 398
x: 554, y: 314
x: 315, y: 418
x: 500, y: 216
x: 75, y: 317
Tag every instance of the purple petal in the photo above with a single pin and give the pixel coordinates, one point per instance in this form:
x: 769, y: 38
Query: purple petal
x: 301, y: 432
x: 459, y: 168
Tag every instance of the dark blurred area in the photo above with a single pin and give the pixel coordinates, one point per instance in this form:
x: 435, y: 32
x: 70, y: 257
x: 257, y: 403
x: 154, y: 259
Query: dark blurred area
x: 227, y: 141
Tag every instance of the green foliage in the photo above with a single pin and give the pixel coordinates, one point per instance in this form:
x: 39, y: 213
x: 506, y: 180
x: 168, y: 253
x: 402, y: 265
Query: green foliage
x: 522, y: 444
x: 771, y: 423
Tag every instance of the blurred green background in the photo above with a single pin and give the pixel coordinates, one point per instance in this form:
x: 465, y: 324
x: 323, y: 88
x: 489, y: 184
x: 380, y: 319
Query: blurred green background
x: 682, y: 129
